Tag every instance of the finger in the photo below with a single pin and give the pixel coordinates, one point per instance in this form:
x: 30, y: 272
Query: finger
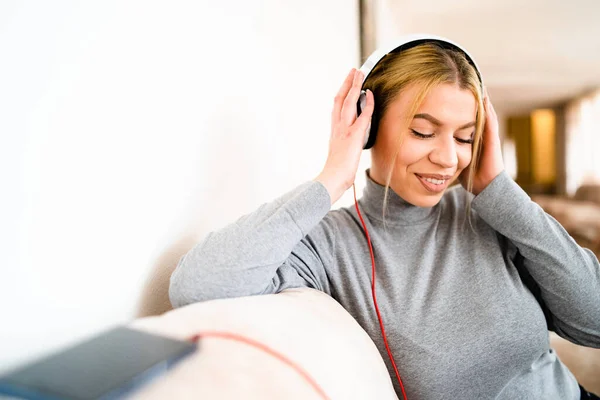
x: 486, y: 98
x: 362, y: 122
x: 489, y: 108
x: 490, y: 133
x: 491, y: 105
x: 489, y: 115
x: 341, y: 95
x: 348, y: 113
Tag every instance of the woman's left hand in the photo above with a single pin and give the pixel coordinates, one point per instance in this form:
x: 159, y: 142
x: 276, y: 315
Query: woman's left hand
x: 490, y: 161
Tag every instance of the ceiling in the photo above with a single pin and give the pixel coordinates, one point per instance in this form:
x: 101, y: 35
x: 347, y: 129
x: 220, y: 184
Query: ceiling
x: 532, y: 53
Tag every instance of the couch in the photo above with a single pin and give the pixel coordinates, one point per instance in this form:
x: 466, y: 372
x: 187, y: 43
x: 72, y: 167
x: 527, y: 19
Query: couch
x: 308, y: 327
x: 305, y: 325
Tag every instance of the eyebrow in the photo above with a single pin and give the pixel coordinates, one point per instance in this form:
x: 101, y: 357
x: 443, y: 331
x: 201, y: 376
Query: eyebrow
x: 437, y: 122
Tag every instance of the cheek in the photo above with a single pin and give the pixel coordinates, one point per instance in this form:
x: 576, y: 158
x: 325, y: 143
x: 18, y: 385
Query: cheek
x: 413, y: 151
x: 464, y: 157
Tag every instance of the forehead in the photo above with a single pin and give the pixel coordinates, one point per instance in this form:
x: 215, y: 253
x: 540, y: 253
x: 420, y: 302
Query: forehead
x: 448, y: 103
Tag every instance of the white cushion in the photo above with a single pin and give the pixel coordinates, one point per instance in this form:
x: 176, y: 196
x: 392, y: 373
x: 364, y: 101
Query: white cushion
x: 305, y: 325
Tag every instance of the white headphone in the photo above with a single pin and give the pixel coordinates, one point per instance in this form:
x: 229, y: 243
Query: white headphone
x: 401, y: 44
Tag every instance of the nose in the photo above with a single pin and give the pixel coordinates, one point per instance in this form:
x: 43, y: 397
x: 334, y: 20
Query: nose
x: 444, y: 153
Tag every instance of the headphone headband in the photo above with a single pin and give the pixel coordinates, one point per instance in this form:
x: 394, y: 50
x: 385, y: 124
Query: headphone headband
x: 400, y: 44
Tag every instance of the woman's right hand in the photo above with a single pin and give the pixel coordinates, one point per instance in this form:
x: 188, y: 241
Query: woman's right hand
x: 347, y: 136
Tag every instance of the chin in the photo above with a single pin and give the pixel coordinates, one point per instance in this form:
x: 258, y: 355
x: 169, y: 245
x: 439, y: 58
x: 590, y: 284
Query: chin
x: 424, y: 200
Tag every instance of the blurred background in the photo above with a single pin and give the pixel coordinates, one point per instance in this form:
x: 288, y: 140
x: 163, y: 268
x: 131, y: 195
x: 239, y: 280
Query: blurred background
x: 130, y: 129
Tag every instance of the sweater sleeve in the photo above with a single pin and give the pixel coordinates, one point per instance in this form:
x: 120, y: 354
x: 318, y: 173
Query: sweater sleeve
x: 567, y: 274
x: 263, y: 252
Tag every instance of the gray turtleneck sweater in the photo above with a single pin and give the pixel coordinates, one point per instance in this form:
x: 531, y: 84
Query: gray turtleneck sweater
x: 460, y: 322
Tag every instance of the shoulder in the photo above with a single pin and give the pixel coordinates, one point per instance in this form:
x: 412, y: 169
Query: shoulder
x: 340, y: 222
x: 337, y: 230
x: 456, y: 205
x: 338, y: 218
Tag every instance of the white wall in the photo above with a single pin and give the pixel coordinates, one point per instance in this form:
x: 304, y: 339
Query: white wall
x: 130, y: 128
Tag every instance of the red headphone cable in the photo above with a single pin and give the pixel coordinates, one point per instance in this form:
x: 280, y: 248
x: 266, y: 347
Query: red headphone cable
x: 290, y: 363
x: 264, y: 348
x: 387, y: 347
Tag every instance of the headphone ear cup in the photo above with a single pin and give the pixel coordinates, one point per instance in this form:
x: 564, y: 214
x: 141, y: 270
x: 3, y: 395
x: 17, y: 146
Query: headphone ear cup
x: 362, y: 103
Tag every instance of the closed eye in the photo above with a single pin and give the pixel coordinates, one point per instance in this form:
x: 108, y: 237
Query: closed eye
x: 422, y: 136
x: 465, y: 141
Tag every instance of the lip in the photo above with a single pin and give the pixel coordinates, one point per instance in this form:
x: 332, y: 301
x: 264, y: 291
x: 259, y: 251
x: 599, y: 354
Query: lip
x: 435, y: 176
x: 430, y: 187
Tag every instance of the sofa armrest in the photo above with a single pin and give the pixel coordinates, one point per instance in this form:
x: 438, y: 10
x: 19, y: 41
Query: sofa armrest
x: 305, y: 325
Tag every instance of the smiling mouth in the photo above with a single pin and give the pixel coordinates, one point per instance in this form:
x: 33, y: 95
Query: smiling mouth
x: 434, y: 185
x: 435, y: 181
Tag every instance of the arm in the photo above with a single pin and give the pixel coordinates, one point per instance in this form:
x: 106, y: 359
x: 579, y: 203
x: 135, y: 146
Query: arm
x: 269, y: 250
x: 263, y: 252
x: 567, y: 274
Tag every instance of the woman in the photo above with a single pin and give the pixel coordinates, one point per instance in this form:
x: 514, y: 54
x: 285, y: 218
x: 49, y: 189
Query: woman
x: 459, y: 320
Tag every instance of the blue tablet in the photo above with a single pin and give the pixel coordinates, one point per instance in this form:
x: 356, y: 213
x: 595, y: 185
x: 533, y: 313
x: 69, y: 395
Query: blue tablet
x: 108, y: 366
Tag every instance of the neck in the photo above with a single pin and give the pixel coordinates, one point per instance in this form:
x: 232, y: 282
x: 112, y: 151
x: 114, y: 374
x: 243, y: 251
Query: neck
x: 396, y: 210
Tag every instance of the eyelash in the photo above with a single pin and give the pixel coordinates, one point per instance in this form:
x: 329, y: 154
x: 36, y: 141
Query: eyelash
x: 421, y: 136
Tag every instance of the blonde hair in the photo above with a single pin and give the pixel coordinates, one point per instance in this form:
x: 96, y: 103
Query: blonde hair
x: 427, y: 65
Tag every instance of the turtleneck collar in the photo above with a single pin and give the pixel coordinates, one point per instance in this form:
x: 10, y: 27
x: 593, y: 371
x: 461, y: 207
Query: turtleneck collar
x: 398, y: 210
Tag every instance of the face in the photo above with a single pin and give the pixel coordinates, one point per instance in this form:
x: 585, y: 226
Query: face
x: 435, y: 148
